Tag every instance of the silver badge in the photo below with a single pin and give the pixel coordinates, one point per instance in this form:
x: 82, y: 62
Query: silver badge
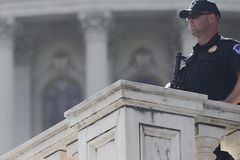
x: 192, y: 4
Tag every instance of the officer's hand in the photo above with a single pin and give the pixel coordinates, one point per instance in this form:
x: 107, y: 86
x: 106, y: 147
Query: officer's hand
x: 167, y: 85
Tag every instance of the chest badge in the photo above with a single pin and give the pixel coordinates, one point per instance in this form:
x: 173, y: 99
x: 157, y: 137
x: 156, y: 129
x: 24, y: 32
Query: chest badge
x: 212, y: 49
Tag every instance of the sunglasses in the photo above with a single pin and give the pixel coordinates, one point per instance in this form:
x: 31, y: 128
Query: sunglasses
x: 196, y: 15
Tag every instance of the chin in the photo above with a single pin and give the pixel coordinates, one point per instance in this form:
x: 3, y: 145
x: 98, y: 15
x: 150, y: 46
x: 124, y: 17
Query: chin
x: 193, y: 33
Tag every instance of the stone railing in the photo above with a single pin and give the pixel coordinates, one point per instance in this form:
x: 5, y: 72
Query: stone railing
x: 133, y: 121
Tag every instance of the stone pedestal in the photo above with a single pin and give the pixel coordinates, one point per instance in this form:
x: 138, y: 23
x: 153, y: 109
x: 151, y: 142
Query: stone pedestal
x: 142, y: 126
x: 133, y: 134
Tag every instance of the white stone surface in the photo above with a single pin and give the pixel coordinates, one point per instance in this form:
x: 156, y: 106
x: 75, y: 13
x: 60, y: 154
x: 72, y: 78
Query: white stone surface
x: 133, y: 121
x: 220, y: 114
x: 207, y: 139
x: 134, y: 94
x: 121, y: 131
x: 127, y: 121
x: 44, y: 144
x: 231, y: 143
x: 160, y: 142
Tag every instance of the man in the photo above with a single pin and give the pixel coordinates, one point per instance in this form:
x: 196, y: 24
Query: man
x: 214, y: 66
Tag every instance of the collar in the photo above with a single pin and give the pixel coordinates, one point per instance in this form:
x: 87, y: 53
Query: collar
x: 210, y: 43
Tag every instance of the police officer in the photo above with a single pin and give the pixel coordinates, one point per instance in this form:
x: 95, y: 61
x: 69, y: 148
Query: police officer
x: 214, y: 66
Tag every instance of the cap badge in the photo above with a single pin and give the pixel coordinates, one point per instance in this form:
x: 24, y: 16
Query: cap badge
x: 212, y: 49
x: 236, y: 48
x: 192, y: 4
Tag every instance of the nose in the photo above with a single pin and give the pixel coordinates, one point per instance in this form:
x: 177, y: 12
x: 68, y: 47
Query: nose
x: 190, y: 20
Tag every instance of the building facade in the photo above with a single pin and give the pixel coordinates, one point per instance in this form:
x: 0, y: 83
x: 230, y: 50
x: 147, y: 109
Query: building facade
x: 56, y: 53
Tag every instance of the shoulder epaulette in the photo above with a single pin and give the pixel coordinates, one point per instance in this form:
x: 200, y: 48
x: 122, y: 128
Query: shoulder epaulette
x: 229, y: 39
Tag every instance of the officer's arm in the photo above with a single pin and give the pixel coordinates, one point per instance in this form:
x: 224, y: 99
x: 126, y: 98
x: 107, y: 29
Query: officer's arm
x: 234, y: 96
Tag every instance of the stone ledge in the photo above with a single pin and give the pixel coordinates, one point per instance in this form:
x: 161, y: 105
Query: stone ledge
x: 220, y: 114
x: 54, y: 138
x: 126, y: 93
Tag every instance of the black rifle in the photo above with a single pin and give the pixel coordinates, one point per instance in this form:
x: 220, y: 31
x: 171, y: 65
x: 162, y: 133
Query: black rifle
x: 175, y: 82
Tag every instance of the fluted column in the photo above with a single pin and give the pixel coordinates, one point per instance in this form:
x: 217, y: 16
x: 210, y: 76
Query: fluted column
x: 207, y: 139
x: 231, y: 144
x: 6, y: 84
x: 96, y: 27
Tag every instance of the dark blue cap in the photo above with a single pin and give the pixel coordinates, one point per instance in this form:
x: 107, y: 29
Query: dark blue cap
x: 198, y: 6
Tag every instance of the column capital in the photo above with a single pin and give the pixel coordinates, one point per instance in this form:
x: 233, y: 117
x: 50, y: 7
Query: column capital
x: 96, y: 20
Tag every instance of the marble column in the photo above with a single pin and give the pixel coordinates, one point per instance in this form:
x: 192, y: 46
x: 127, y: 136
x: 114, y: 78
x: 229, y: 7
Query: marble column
x: 24, y: 49
x: 207, y: 139
x: 96, y: 26
x: 6, y: 84
x: 231, y: 144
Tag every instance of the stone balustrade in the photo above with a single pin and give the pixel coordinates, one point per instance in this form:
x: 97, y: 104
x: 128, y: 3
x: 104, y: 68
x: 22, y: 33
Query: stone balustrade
x: 133, y: 121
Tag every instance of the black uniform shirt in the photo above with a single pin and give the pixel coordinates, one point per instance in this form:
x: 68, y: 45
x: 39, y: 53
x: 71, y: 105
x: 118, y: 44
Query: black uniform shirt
x: 212, y: 68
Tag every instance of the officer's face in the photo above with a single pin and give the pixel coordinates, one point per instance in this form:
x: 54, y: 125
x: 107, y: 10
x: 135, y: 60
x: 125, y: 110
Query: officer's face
x: 198, y: 24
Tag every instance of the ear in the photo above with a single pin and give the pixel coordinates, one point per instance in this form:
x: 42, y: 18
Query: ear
x: 212, y: 18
